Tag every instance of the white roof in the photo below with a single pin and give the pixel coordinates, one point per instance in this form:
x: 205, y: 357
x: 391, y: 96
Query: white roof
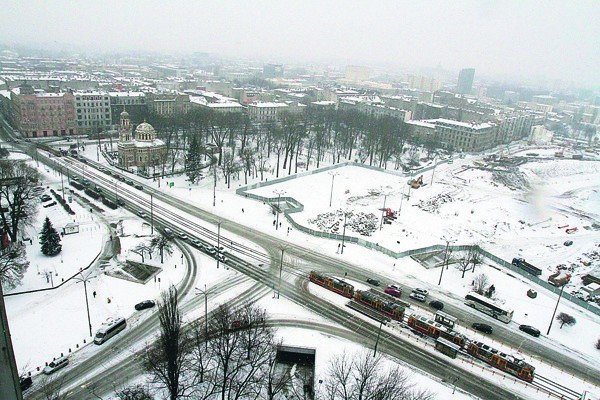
x: 268, y: 104
x: 463, y: 124
x: 127, y: 94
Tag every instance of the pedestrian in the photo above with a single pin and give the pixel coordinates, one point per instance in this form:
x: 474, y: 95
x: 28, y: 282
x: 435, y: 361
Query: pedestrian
x: 94, y: 294
x: 108, y: 300
x: 274, y: 222
x: 31, y: 241
x: 280, y: 224
x: 242, y: 210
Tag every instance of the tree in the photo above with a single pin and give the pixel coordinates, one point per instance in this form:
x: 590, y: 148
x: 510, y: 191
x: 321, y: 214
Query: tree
x: 140, y: 249
x: 480, y: 283
x: 17, y: 198
x: 51, y: 387
x: 598, y: 344
x: 565, y: 318
x: 13, y: 264
x: 470, y: 257
x: 193, y: 162
x: 167, y: 359
x: 162, y: 244
x: 49, y: 239
x: 364, y: 377
x: 134, y: 392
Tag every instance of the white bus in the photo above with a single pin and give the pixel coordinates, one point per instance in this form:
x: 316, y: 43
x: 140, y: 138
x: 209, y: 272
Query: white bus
x: 487, y: 306
x: 110, y: 329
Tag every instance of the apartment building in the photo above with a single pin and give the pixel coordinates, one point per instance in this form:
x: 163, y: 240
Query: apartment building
x: 92, y: 111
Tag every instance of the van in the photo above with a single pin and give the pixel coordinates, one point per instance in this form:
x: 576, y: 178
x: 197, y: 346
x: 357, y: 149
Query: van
x: 55, y: 365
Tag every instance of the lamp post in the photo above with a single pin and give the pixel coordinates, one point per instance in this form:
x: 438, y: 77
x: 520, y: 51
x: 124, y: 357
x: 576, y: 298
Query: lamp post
x: 280, y: 270
x: 385, y: 195
x: 84, y: 279
x: 562, y: 287
x: 401, y: 200
x: 333, y: 175
x: 278, y: 193
x: 448, y: 241
x: 151, y: 214
x: 378, y: 334
x: 205, y: 293
x: 344, y: 230
x: 218, y: 242
x: 215, y: 181
x: 433, y: 171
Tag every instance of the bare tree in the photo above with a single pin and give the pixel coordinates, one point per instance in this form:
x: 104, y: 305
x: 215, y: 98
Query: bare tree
x: 470, y: 257
x: 167, y: 358
x: 364, y: 377
x: 141, y: 249
x: 51, y: 387
x: 134, y: 392
x: 480, y: 283
x: 162, y: 245
x: 17, y: 198
x: 565, y: 318
x: 13, y: 264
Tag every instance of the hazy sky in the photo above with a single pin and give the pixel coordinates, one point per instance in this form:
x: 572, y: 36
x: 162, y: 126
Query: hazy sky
x: 534, y: 39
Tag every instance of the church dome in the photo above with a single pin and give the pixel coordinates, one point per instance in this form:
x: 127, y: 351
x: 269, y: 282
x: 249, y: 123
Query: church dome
x: 124, y: 114
x: 144, y: 127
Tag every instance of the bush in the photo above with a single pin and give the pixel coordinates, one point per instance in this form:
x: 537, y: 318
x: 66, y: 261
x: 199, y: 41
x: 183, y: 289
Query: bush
x: 598, y: 344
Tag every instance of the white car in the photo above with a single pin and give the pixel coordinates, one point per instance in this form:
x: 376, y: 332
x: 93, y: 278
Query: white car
x: 424, y: 292
x: 417, y: 296
x: 56, y: 365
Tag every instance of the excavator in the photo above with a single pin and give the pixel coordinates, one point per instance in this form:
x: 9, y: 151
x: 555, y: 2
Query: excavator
x: 416, y: 183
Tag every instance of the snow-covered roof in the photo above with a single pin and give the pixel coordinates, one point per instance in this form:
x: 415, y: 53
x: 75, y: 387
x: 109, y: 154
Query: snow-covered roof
x: 268, y: 104
x: 127, y: 94
x: 461, y: 124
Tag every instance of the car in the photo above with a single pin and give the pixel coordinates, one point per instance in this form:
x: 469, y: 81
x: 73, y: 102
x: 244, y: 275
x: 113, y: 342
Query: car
x: 45, y: 198
x: 568, y: 242
x: 485, y: 328
x: 142, y: 214
x: 55, y: 365
x: 417, y: 296
x: 139, y: 187
x: 121, y: 178
x: 25, y: 383
x: 393, y: 290
x: 438, y: 305
x: 530, y: 330
x: 221, y: 257
x: 196, y: 243
x: 373, y: 281
x: 182, y: 236
x: 145, y: 304
x: 424, y: 292
x: 129, y: 182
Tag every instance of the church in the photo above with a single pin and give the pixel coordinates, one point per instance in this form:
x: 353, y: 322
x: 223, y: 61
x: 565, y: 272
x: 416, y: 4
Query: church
x: 141, y: 150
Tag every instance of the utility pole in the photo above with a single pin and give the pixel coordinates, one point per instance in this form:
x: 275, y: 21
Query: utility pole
x: 218, y: 242
x: 205, y: 293
x: 333, y: 175
x: 445, y: 257
x: 562, y: 287
x: 85, y: 279
x: 151, y: 214
x: 344, y: 232
x: 278, y: 193
x: 280, y: 270
x: 215, y: 182
x: 378, y: 334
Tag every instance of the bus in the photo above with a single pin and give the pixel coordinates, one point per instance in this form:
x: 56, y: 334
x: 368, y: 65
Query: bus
x: 487, y: 306
x: 110, y: 329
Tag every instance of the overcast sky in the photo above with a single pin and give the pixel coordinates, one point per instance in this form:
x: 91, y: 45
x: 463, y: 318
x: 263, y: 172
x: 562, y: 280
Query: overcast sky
x: 537, y: 40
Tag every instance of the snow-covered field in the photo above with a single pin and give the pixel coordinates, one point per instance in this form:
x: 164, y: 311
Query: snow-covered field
x: 469, y: 205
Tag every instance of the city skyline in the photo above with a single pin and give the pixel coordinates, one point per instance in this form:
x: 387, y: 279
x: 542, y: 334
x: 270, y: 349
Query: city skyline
x: 509, y: 40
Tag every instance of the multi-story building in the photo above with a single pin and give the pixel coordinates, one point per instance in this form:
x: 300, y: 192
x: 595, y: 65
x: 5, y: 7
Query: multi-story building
x: 514, y: 126
x: 168, y: 104
x: 267, y: 111
x: 379, y: 110
x: 92, y: 111
x: 42, y: 114
x: 273, y: 71
x: 465, y: 80
x: 133, y: 102
x: 464, y: 136
x: 423, y: 83
x: 356, y: 73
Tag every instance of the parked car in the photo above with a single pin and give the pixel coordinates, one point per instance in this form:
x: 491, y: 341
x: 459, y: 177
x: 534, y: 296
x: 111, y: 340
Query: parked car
x: 182, y: 236
x: 485, y: 328
x: 373, y: 281
x: 142, y: 214
x: 45, y: 198
x: 568, y: 243
x: 196, y: 243
x: 530, y: 330
x: 221, y: 257
x: 139, y: 187
x: 424, y: 292
x: 55, y: 365
x: 417, y: 296
x: 393, y: 290
x: 25, y: 383
x: 145, y: 304
x: 210, y: 249
x: 438, y: 305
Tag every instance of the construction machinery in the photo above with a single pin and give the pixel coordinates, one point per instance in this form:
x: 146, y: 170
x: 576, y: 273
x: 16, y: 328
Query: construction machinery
x: 416, y: 183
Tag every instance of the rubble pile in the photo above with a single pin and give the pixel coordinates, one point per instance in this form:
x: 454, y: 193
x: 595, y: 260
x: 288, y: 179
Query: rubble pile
x: 359, y: 222
x: 433, y: 204
x: 512, y: 178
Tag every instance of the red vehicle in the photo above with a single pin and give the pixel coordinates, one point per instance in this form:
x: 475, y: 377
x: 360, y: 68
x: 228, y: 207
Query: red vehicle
x: 434, y: 329
x: 393, y: 290
x: 379, y: 302
x: 502, y: 361
x: 333, y: 284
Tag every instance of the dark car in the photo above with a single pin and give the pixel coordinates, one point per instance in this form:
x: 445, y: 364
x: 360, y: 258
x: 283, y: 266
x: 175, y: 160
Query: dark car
x: 438, y: 305
x: 568, y: 243
x: 530, y: 330
x: 485, y: 328
x: 25, y: 382
x: 45, y: 198
x: 145, y: 304
x: 373, y: 282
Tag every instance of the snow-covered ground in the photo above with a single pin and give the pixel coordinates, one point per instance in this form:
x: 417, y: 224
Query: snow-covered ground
x: 464, y: 204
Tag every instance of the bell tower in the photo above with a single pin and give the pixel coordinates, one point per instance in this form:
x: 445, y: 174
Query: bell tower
x: 125, y: 128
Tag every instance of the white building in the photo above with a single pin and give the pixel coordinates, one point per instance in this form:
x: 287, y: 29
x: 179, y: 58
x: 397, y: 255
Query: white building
x: 92, y: 112
x: 266, y: 111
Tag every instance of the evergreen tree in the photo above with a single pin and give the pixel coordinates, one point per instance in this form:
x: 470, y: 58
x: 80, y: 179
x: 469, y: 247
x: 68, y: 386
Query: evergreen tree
x: 192, y: 160
x: 50, y: 239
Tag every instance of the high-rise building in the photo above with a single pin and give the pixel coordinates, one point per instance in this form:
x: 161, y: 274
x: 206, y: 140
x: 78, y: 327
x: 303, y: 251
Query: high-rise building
x: 465, y: 80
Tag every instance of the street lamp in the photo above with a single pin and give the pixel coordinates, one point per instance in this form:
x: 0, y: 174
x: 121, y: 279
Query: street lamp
x: 218, y: 254
x: 562, y: 287
x: 344, y: 230
x: 448, y: 241
x: 378, y: 334
x: 151, y: 214
x: 85, y: 279
x: 333, y: 175
x: 205, y: 293
x: 282, y: 248
x: 385, y: 195
x: 278, y: 193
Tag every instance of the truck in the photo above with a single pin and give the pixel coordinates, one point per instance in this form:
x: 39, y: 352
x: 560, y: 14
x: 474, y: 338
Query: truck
x: 525, y: 266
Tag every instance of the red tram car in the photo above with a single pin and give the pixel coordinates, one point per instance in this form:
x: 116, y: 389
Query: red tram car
x: 502, y: 361
x: 435, y: 329
x: 382, y: 303
x: 333, y: 284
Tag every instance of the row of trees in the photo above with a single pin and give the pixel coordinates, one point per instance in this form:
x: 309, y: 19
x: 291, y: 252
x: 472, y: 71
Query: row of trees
x: 296, y: 140
x: 233, y: 356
